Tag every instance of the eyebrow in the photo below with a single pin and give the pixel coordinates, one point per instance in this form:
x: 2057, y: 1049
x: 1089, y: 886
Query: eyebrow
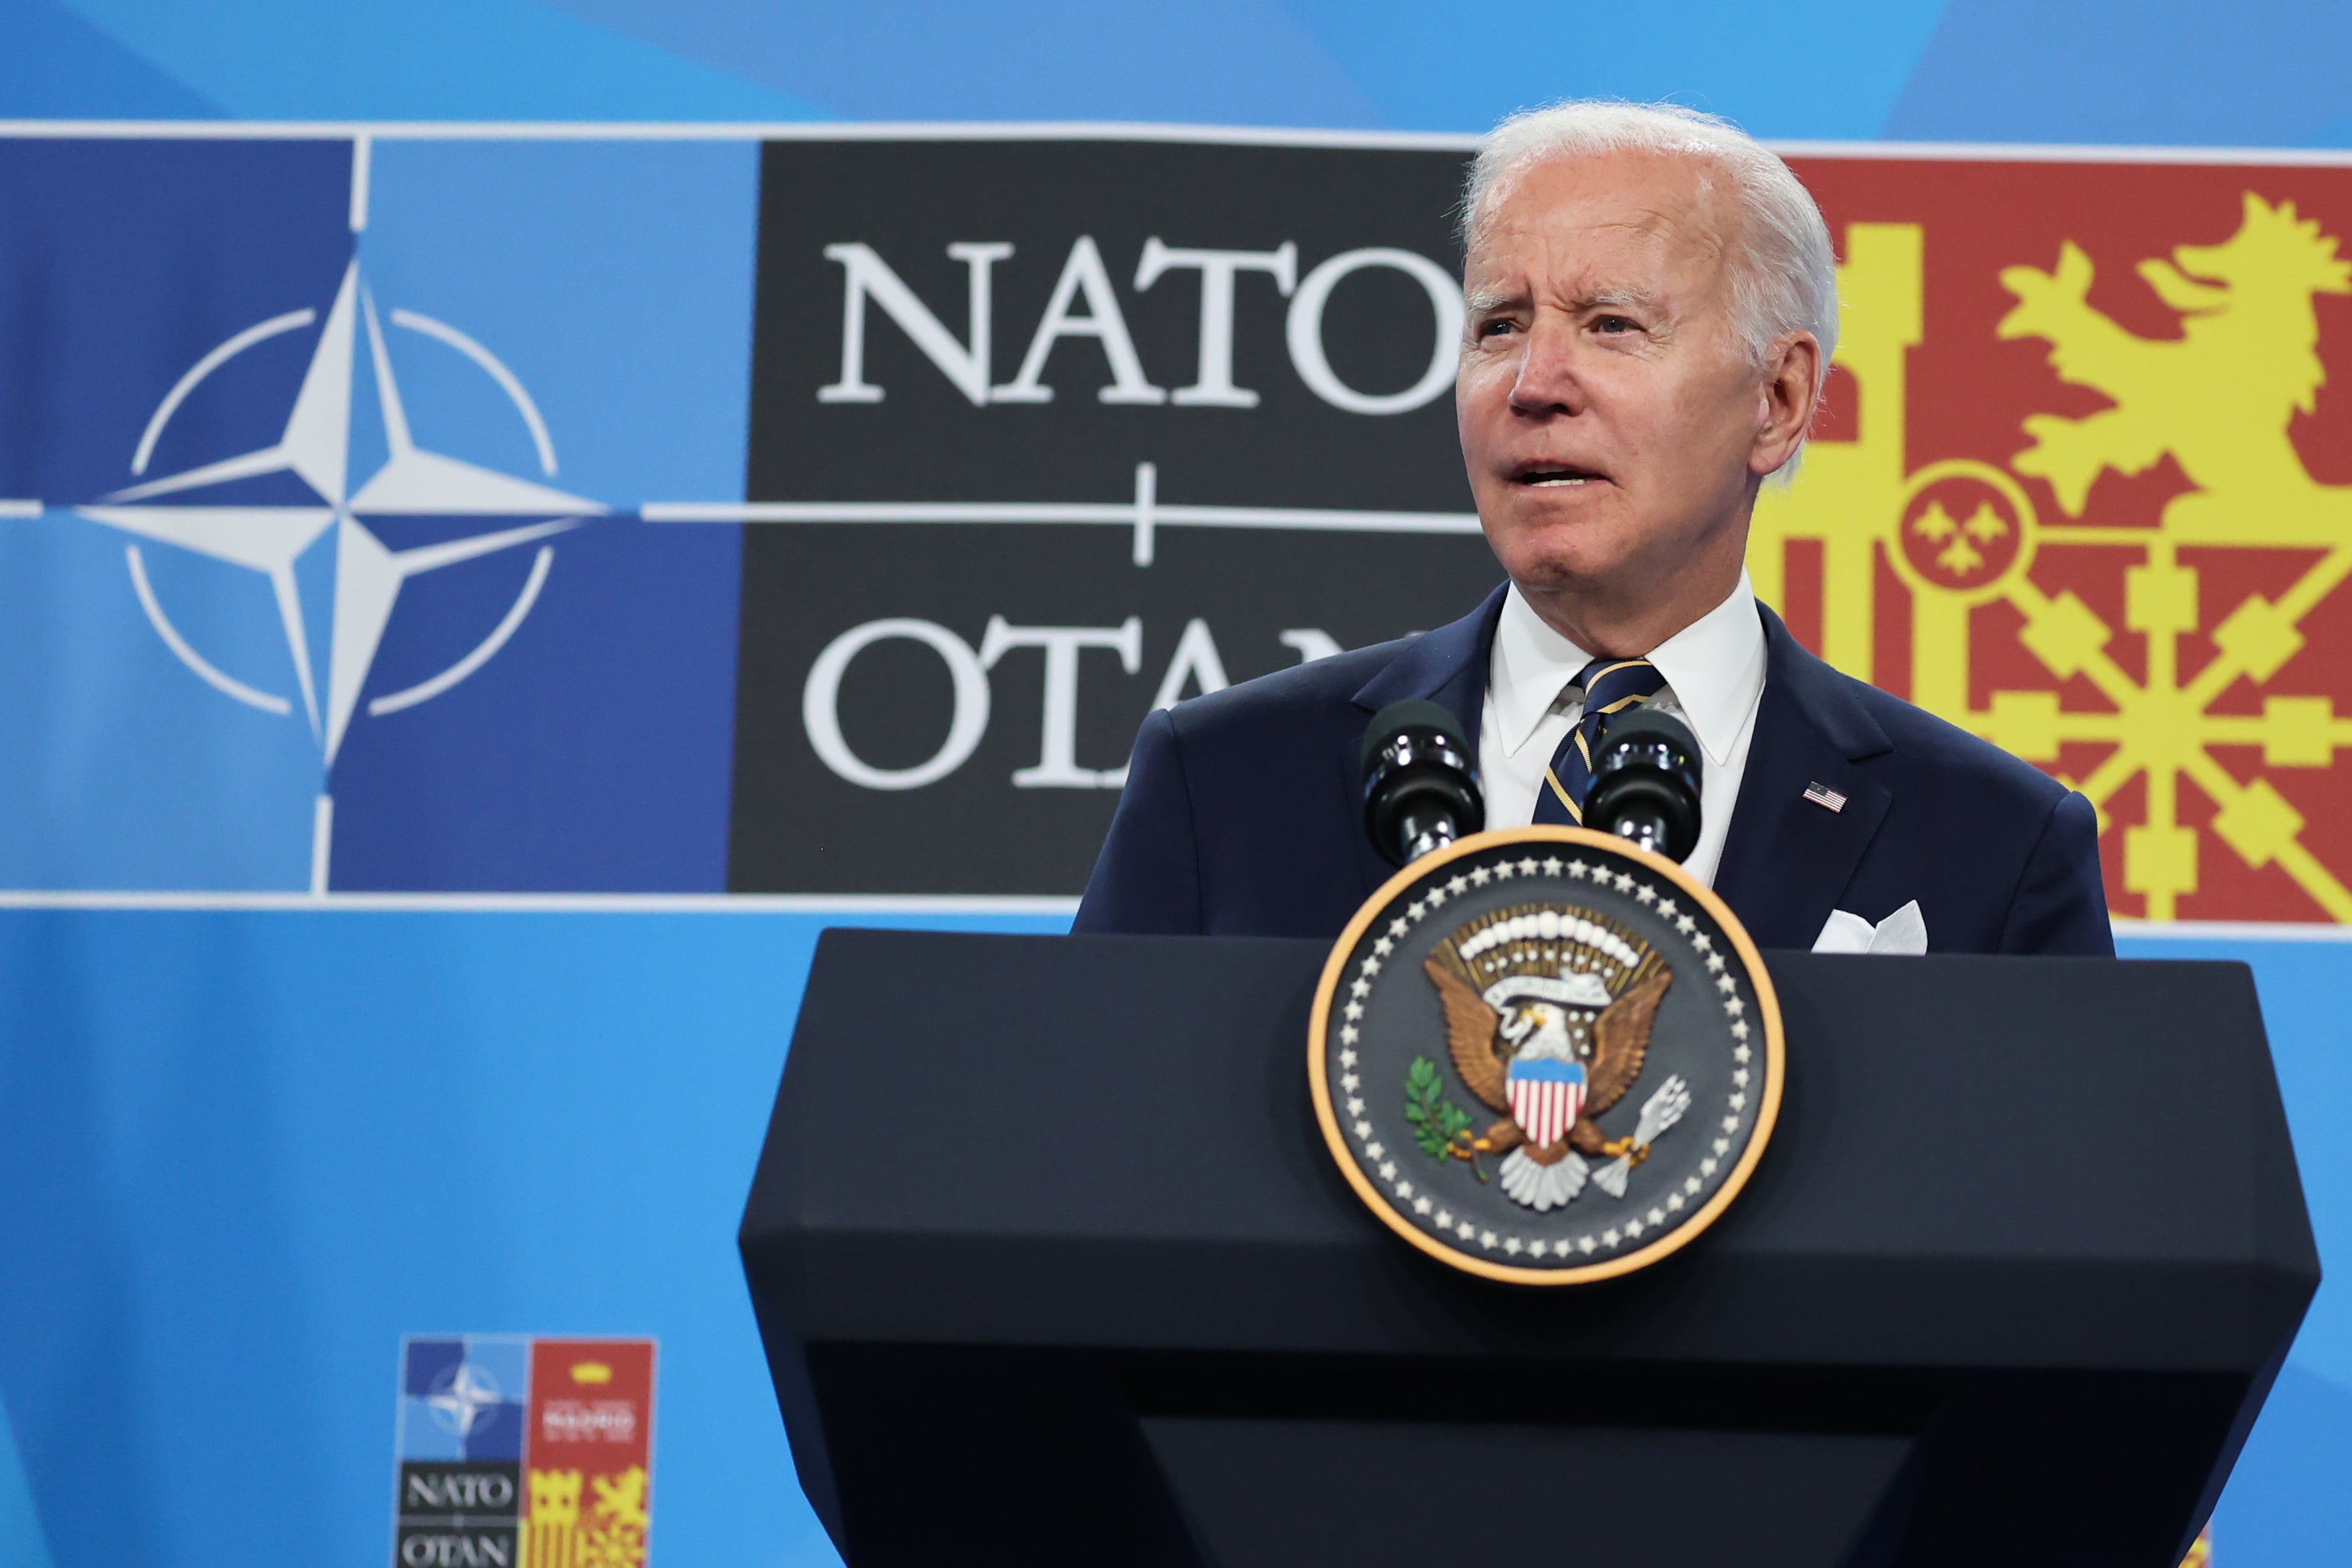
x: 1487, y: 300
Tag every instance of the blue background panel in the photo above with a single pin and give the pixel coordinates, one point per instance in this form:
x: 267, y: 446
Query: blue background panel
x: 267, y: 1146
x: 142, y: 255
x: 138, y: 258
x: 245, y: 1152
x: 2265, y: 73
x: 271, y: 1144
x: 611, y: 283
x: 613, y: 280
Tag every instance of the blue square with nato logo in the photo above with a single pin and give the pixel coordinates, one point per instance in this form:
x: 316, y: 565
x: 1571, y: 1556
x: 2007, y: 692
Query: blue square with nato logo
x: 464, y: 1398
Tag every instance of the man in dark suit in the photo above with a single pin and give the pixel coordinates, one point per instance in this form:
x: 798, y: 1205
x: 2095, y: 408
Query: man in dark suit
x: 1651, y: 309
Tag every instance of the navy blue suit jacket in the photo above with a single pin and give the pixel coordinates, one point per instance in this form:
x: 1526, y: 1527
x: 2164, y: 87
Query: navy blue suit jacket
x: 1243, y: 809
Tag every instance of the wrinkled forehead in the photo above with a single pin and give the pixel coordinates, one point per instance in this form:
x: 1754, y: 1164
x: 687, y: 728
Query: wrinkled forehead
x: 1570, y: 212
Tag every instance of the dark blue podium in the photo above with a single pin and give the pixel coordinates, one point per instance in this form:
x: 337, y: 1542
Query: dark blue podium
x: 1051, y: 1268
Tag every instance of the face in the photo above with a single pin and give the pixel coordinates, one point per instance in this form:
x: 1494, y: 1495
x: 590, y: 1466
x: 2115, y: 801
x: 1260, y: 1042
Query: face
x: 1615, y: 428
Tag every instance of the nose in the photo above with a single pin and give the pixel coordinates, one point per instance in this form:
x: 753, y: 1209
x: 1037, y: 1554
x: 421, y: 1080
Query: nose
x: 1547, y: 381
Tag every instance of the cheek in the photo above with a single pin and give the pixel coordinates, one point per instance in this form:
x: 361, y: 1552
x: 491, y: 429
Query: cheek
x: 1635, y: 405
x: 1687, y: 416
x: 1482, y: 394
x: 1478, y: 376
x: 1726, y: 400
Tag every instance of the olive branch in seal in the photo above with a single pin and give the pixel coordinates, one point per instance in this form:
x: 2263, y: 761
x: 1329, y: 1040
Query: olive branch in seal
x: 1439, y: 1126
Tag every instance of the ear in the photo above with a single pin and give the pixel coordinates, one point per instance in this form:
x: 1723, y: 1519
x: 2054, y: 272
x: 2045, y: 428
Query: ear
x: 1789, y: 396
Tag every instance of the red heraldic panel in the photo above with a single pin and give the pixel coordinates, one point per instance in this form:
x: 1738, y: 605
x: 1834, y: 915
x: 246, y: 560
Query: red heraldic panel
x: 588, y: 1453
x: 2083, y: 485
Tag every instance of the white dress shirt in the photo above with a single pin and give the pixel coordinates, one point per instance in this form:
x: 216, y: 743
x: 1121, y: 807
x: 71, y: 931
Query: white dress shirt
x: 1714, y: 670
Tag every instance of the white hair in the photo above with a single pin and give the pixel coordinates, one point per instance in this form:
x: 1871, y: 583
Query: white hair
x: 1783, y: 270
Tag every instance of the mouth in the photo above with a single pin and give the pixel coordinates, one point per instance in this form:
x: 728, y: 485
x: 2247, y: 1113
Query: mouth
x: 1540, y: 475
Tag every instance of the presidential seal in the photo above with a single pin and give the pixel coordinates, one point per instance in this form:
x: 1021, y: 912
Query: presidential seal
x: 1546, y: 1056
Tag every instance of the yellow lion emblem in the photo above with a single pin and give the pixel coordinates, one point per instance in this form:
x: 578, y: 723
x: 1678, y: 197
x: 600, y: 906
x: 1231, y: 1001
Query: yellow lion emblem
x: 2219, y: 398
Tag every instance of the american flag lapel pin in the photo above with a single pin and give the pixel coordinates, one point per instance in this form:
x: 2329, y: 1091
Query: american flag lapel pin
x: 1822, y: 795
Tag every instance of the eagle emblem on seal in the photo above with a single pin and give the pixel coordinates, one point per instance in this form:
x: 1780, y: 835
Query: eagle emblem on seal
x: 1548, y: 1011
x: 1544, y: 1056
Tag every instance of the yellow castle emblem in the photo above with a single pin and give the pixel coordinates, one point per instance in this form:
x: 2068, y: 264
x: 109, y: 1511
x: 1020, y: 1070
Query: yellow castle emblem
x: 2219, y: 400
x: 607, y: 1533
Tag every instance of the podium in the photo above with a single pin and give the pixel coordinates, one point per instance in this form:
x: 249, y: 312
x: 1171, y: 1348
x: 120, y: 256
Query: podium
x: 1053, y: 1268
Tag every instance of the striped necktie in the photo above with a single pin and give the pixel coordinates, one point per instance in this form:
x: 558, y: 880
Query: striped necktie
x: 1611, y: 686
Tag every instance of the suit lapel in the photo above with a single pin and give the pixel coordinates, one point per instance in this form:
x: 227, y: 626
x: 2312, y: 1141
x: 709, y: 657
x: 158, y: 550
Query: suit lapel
x: 1788, y: 860
x: 1448, y: 667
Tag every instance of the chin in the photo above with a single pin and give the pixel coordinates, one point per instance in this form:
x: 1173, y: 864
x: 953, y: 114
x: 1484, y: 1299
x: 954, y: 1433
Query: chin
x: 1573, y: 573
x: 1548, y: 551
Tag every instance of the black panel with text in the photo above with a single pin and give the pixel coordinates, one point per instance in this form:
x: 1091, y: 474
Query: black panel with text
x: 1046, y: 433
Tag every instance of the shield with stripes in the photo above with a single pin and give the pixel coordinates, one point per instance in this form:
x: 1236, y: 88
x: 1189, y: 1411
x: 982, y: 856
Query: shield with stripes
x: 1546, y: 1093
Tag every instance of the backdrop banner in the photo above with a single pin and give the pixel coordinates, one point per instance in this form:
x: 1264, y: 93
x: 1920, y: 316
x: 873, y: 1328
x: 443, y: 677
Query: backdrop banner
x: 437, y: 531
x: 474, y: 599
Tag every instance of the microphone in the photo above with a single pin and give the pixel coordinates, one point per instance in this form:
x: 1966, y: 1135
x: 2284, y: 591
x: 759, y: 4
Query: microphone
x: 1646, y: 782
x: 1421, y: 791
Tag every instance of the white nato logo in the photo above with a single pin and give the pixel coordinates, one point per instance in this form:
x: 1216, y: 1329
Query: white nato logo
x: 462, y: 1396
x: 315, y: 447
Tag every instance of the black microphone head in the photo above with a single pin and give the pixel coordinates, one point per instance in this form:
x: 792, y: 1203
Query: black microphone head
x: 1420, y: 784
x: 1409, y: 714
x: 1646, y: 774
x: 1646, y: 725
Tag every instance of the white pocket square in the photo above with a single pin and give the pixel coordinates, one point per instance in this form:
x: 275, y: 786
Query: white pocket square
x: 1904, y: 931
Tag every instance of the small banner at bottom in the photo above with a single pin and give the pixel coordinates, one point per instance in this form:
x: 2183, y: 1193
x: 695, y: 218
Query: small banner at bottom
x: 515, y: 1449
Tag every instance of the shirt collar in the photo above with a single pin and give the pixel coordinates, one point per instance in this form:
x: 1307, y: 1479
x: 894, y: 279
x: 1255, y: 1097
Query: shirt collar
x: 1531, y: 666
x: 1715, y: 667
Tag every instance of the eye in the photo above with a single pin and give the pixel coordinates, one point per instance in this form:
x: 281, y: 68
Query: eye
x: 1613, y: 324
x: 1494, y: 328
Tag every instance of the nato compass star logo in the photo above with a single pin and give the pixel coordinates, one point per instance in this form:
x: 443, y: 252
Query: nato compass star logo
x: 198, y: 509
x: 462, y: 1396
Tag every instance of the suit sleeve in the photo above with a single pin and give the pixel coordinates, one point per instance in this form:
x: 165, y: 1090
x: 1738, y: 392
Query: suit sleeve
x: 1146, y: 881
x: 2061, y: 903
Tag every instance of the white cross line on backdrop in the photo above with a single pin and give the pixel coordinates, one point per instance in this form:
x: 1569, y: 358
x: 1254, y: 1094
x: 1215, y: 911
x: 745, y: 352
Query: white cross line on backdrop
x: 1146, y: 514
